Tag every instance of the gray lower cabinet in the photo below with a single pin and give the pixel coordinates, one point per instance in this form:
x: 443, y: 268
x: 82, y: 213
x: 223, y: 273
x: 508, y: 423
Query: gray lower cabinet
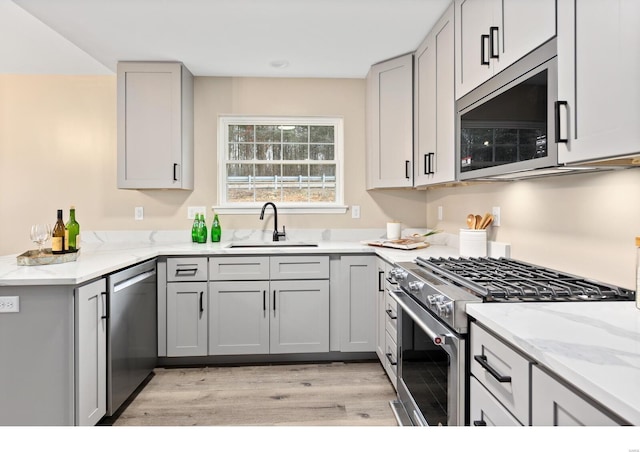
x: 555, y: 404
x: 509, y: 388
x: 91, y: 352
x: 262, y: 304
x: 238, y: 317
x: 299, y: 320
x: 358, y: 304
x: 386, y: 322
x: 187, y: 318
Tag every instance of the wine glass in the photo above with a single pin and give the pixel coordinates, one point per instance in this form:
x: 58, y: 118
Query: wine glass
x: 40, y: 233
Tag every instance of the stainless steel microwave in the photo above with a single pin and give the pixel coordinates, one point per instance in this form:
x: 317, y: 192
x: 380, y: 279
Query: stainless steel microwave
x: 506, y: 128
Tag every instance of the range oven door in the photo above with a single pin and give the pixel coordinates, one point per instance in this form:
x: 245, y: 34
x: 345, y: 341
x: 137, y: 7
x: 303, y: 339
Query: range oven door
x: 431, y: 389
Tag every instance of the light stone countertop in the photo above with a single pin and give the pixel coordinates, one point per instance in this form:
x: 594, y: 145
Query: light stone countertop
x: 595, y: 346
x: 106, y: 252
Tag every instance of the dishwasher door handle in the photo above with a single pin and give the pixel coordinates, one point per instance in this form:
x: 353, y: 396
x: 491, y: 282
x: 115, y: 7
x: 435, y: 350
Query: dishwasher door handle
x: 133, y: 280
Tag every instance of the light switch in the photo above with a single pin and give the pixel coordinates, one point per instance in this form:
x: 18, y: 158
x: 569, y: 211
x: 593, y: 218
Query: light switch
x: 139, y: 213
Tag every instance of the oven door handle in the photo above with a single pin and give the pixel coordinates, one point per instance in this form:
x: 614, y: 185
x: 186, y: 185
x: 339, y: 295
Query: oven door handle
x: 482, y: 360
x: 436, y: 338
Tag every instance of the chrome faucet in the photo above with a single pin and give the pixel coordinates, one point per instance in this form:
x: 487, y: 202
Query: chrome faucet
x: 276, y: 234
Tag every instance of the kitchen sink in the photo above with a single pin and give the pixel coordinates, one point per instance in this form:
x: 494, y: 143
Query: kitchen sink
x: 273, y: 245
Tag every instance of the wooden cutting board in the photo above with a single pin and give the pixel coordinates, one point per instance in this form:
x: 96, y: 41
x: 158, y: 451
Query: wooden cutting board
x: 400, y: 244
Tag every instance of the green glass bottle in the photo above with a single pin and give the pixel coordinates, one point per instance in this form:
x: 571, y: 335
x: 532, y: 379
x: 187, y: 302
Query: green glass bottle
x: 73, y: 231
x: 194, y: 228
x: 216, y: 230
x: 202, y: 230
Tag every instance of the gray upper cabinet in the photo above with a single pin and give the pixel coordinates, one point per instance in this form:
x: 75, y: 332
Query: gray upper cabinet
x: 493, y: 34
x: 155, y: 125
x: 389, y: 123
x: 434, y: 105
x: 598, y: 73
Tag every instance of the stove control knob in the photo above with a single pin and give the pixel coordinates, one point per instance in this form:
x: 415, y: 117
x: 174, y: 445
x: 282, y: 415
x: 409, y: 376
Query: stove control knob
x: 401, y: 274
x: 431, y: 299
x: 416, y: 286
x: 444, y: 308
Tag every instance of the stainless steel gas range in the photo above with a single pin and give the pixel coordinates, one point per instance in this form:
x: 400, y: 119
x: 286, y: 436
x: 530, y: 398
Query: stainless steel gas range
x: 433, y: 353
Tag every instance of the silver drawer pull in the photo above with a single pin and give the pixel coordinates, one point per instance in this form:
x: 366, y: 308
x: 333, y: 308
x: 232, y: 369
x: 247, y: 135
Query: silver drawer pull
x: 482, y: 360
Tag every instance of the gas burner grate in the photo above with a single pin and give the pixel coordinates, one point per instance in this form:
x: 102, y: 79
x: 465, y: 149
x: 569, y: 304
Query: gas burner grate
x: 510, y: 280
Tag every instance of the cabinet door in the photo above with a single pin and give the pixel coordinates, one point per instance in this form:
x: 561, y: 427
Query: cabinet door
x: 91, y: 353
x: 552, y: 403
x: 299, y: 316
x: 434, y: 102
x: 155, y: 126
x: 358, y: 304
x: 474, y: 19
x: 390, y: 119
x: 524, y: 26
x: 598, y: 75
x: 238, y: 317
x: 187, y: 319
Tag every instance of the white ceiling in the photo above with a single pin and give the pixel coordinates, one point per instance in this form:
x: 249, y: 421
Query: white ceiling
x: 319, y: 38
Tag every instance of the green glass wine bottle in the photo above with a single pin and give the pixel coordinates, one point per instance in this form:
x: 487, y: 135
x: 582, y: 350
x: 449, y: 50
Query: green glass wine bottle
x: 216, y: 230
x: 73, y: 231
x: 194, y: 228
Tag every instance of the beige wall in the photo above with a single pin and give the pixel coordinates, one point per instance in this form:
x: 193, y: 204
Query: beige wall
x: 58, y: 147
x: 583, y: 224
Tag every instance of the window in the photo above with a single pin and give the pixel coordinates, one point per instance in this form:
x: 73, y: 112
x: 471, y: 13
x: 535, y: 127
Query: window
x: 295, y: 162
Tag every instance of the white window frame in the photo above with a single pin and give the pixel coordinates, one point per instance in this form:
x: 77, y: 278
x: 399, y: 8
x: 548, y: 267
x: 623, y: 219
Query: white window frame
x: 285, y: 207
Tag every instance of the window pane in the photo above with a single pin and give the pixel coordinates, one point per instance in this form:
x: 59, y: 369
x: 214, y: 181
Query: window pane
x: 269, y: 152
x: 267, y: 182
x: 322, y: 183
x: 321, y: 152
x: 240, y: 133
x: 239, y: 186
x: 296, y: 152
x: 268, y: 134
x: 321, y: 134
x: 295, y: 183
x: 241, y: 151
x: 297, y: 134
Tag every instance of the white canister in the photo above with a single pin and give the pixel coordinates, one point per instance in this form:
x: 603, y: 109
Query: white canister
x: 393, y: 231
x: 473, y: 242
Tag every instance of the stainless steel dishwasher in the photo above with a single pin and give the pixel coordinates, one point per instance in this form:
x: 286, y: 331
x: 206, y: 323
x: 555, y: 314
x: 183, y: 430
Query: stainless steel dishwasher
x: 132, y: 331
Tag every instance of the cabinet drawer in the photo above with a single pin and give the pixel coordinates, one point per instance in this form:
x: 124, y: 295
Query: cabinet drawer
x: 492, y: 361
x: 391, y: 316
x: 485, y: 410
x: 391, y: 359
x: 186, y: 269
x: 239, y: 268
x: 299, y: 267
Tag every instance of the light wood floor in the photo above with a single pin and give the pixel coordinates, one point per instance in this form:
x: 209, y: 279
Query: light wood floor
x: 335, y: 394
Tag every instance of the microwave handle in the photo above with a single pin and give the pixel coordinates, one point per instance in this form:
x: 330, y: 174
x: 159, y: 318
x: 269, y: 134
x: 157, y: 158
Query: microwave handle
x: 484, y: 49
x: 561, y: 115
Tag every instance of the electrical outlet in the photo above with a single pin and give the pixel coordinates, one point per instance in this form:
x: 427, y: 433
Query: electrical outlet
x: 193, y: 210
x: 139, y: 213
x: 495, y: 211
x: 355, y: 211
x: 9, y: 304
x: 440, y: 214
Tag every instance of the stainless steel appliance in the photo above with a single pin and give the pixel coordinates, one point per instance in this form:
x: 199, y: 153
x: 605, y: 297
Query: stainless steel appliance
x: 506, y: 125
x: 132, y: 331
x: 433, y: 355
